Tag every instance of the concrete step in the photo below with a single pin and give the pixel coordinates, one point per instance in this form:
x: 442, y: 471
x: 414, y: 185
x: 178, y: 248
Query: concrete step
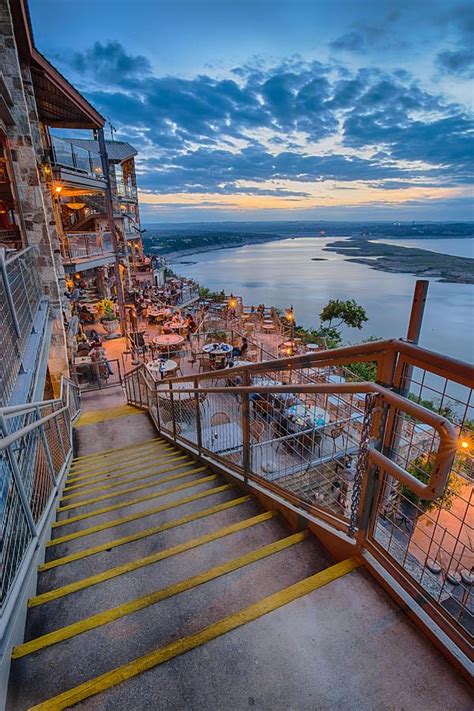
x: 178, y: 615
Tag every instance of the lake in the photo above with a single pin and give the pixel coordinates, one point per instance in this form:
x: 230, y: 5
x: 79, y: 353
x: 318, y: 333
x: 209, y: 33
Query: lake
x: 456, y: 246
x: 282, y: 273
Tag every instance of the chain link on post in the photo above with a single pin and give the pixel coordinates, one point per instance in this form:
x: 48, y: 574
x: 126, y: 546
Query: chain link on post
x: 363, y: 458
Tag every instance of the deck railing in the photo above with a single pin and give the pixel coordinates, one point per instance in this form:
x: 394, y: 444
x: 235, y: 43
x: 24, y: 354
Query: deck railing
x: 67, y: 155
x: 84, y: 245
x: 20, y: 296
x: 380, y: 464
x: 35, y: 450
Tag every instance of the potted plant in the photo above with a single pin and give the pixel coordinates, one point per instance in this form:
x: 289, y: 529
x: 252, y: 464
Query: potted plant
x: 106, y: 312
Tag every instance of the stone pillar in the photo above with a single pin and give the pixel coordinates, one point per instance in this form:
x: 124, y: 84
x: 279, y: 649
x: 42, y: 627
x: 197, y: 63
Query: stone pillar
x: 24, y: 141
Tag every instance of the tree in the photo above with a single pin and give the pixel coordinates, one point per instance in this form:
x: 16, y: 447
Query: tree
x: 421, y: 468
x: 347, y: 312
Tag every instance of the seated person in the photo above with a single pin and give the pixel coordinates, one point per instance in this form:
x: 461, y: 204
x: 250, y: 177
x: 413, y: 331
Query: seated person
x: 98, y: 355
x: 244, y: 346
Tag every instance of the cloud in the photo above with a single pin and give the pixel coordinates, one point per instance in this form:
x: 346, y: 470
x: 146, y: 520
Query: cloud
x: 257, y: 130
x: 351, y: 42
x: 460, y: 59
x: 110, y: 63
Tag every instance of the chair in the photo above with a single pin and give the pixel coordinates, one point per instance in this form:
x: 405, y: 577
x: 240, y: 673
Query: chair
x: 263, y: 408
x: 334, y: 433
x: 177, y: 360
x: 220, y: 418
x: 256, y: 430
x: 192, y: 357
x: 205, y: 363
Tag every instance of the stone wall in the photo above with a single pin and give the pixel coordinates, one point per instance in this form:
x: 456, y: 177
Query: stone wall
x: 26, y: 150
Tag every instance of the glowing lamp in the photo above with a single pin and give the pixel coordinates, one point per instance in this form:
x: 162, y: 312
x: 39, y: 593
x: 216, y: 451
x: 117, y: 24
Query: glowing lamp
x: 58, y: 189
x: 464, y: 444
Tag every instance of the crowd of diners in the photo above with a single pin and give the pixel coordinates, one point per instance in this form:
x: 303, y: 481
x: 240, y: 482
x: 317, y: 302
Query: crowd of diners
x: 171, y: 323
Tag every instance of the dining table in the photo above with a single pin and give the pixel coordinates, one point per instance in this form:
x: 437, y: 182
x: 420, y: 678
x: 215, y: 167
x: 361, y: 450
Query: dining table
x: 168, y: 340
x: 217, y: 348
x: 162, y: 367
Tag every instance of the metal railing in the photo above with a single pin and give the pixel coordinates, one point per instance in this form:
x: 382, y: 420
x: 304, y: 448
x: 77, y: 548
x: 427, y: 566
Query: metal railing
x: 20, y: 295
x: 67, y: 155
x: 97, y: 374
x: 35, y: 449
x: 126, y: 190
x: 83, y: 245
x: 347, y: 453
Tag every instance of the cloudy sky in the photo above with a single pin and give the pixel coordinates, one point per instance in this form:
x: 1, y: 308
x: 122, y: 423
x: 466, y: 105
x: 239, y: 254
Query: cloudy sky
x: 279, y: 109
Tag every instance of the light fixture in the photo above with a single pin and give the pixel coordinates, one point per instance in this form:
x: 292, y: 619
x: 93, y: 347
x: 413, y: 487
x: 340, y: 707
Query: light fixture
x: 58, y: 189
x: 75, y: 205
x: 464, y: 444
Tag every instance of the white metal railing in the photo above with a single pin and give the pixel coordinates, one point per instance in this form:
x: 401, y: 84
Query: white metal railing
x: 35, y: 450
x: 20, y: 296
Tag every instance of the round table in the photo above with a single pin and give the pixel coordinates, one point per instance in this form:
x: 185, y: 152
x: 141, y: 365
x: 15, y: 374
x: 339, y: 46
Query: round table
x: 177, y: 325
x: 312, y: 347
x: 268, y: 326
x: 217, y: 348
x: 168, y: 340
x: 159, y: 367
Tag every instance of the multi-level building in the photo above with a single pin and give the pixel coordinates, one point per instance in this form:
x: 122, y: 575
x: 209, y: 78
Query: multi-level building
x: 67, y: 205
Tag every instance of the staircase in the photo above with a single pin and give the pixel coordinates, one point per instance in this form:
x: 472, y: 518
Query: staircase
x: 166, y: 586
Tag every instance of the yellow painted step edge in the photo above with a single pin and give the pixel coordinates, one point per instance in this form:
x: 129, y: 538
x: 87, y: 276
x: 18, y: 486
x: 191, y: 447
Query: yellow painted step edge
x: 116, y: 465
x: 83, y: 583
x: 138, y: 500
x: 95, y: 417
x: 119, y: 449
x: 130, y: 490
x: 120, y: 480
x: 114, y: 455
x: 185, y: 644
x: 123, y: 477
x: 134, y: 517
x: 140, y: 603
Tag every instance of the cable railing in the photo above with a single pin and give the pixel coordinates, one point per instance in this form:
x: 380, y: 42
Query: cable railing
x: 20, y: 296
x: 35, y: 450
x: 381, y: 463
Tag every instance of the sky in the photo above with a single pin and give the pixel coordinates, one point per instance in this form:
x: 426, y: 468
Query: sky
x: 279, y: 109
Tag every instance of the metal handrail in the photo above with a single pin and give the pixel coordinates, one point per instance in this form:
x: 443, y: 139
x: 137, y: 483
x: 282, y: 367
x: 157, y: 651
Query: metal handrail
x: 446, y: 451
x: 377, y: 465
x: 34, y: 459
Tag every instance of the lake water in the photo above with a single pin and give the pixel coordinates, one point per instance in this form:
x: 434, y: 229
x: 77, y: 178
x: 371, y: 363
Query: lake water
x: 456, y: 246
x: 282, y: 273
